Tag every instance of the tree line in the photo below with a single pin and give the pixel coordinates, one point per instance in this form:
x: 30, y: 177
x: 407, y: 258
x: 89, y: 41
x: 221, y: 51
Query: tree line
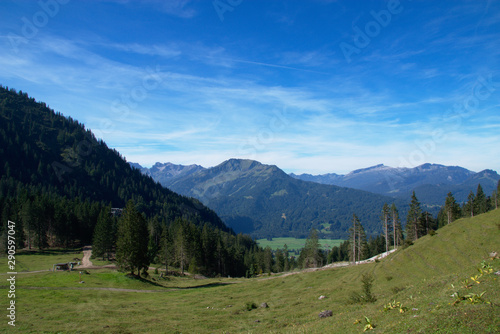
x: 418, y: 224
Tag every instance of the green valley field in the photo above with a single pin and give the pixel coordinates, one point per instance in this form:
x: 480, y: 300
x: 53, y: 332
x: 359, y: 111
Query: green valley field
x: 296, y: 243
x: 444, y: 283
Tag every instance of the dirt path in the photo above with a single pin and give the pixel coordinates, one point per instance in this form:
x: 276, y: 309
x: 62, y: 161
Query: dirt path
x: 87, y: 252
x: 329, y: 266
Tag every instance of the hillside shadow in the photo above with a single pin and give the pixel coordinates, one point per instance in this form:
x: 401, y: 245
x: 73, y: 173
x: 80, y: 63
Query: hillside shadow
x: 49, y: 251
x: 144, y: 280
x: 153, y: 283
x: 203, y: 286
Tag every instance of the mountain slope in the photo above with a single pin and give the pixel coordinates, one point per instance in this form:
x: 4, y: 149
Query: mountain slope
x: 166, y: 173
x: 263, y: 200
x: 46, y: 153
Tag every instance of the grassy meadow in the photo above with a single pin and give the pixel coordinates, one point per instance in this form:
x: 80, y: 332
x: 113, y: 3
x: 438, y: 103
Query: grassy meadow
x: 428, y: 282
x: 297, y: 244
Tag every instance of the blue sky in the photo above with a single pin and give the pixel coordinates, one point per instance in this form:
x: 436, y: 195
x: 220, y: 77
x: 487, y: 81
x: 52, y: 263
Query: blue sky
x: 311, y: 86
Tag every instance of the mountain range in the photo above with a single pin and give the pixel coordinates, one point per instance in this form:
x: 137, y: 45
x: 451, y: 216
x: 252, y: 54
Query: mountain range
x: 431, y: 182
x: 265, y: 201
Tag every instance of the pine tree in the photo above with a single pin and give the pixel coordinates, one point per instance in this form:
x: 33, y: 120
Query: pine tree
x: 103, y: 240
x: 494, y: 199
x: 132, y: 244
x: 311, y: 256
x: 495, y: 195
x: 452, y: 209
x: 286, y: 264
x: 27, y: 213
x: 279, y: 261
x: 426, y: 223
x: 498, y: 194
x: 166, y: 251
x: 362, y: 243
x: 412, y: 219
x: 353, y: 237
x: 181, y: 246
x: 357, y: 240
x: 385, y: 224
x: 268, y: 260
x: 154, y: 239
x: 397, y: 231
x: 480, y: 204
x: 470, y: 205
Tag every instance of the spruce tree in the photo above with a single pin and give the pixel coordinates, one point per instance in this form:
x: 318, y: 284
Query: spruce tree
x: 181, y: 246
x: 102, y: 244
x: 268, y: 260
x: 452, y: 208
x: 357, y: 240
x: 166, y: 245
x: 311, y: 256
x: 286, y: 264
x: 412, y: 219
x: 279, y: 261
x: 480, y: 204
x: 496, y: 194
x: 469, y: 207
x: 385, y: 224
x: 353, y: 237
x: 397, y: 231
x: 132, y: 244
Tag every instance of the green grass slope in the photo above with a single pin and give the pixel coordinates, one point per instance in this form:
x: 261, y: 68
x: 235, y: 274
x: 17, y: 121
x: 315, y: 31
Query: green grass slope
x: 425, y: 278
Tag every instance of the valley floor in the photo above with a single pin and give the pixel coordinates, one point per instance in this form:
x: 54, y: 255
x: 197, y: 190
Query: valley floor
x: 442, y: 284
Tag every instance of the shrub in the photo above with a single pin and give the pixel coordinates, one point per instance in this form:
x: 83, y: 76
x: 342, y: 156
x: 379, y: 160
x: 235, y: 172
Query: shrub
x: 407, y: 243
x: 397, y: 289
x: 366, y: 295
x: 251, y: 306
x: 367, y: 282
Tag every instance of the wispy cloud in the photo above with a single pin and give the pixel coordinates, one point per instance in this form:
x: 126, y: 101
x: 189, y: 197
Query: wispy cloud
x: 150, y: 50
x: 180, y: 8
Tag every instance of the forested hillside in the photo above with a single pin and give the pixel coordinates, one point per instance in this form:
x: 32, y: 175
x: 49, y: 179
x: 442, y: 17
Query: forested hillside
x: 266, y: 202
x: 56, y: 179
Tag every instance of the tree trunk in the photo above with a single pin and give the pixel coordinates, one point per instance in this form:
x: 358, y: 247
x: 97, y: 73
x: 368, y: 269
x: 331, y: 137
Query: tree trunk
x: 394, y: 230
x: 386, y: 233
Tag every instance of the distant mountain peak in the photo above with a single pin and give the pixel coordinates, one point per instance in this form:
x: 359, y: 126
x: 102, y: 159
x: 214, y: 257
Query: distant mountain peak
x: 136, y: 165
x: 167, y: 172
x: 243, y: 165
x: 378, y: 167
x: 429, y: 180
x: 429, y: 166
